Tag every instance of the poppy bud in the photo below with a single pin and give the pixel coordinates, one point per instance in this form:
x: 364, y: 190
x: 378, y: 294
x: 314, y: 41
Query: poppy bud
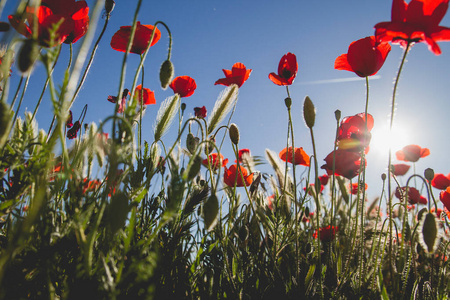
x: 309, y: 112
x: 166, y: 74
x: 288, y: 102
x: 183, y: 106
x: 383, y: 176
x: 210, y: 211
x: 429, y: 174
x: 337, y: 115
x: 429, y: 234
x: 191, y: 143
x: 109, y: 6
x: 28, y: 55
x: 234, y: 133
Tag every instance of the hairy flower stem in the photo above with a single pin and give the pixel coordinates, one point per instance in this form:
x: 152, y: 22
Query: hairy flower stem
x: 405, y: 53
x: 317, y: 213
x: 291, y: 128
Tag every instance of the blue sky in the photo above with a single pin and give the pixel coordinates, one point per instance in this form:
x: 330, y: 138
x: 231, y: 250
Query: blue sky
x: 209, y: 36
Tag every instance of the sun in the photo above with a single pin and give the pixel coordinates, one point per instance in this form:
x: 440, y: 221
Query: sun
x: 384, y: 139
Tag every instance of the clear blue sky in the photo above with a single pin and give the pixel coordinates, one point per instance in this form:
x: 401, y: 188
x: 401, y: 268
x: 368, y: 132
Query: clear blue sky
x: 209, y: 36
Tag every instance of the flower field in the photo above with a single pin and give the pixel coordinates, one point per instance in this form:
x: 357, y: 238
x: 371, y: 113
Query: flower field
x: 115, y: 209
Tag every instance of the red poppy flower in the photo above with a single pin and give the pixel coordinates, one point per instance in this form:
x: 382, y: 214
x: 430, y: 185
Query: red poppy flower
x: 148, y: 95
x: 215, y: 160
x: 141, y: 39
x: 414, y: 196
x: 324, y: 179
x: 287, y: 70
x: 243, y: 154
x: 412, y: 153
x: 415, y: 22
x: 400, y: 169
x: 200, y: 112
x: 73, y: 15
x: 73, y: 132
x: 91, y: 185
x: 300, y: 156
x: 269, y: 201
x: 237, y: 75
x: 69, y: 122
x: 326, y: 233
x: 352, y: 135
x: 347, y: 163
x: 364, y: 57
x: 354, y: 188
x: 183, y: 85
x: 440, y: 181
x: 232, y: 176
x: 444, y: 196
x: 312, y: 189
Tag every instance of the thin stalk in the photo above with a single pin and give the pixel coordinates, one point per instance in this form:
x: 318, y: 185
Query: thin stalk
x: 390, y: 155
x: 21, y: 99
x: 94, y: 50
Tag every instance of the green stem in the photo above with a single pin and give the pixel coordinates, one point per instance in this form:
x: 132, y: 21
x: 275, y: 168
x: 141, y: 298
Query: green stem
x: 390, y: 155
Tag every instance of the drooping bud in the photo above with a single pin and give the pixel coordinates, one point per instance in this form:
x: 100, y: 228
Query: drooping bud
x: 429, y: 174
x: 234, y: 133
x: 166, y: 73
x: 192, y: 143
x: 309, y: 112
x: 109, y: 6
x: 28, y: 55
x: 288, y: 102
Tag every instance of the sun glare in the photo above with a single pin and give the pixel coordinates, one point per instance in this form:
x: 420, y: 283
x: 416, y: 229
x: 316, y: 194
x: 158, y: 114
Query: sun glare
x: 383, y: 138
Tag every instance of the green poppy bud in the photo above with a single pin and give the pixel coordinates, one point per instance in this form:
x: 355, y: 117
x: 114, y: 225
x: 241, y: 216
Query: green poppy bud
x: 288, y: 102
x: 309, y: 112
x: 28, y: 55
x: 109, y: 6
x: 210, y: 211
x: 192, y: 143
x: 429, y: 174
x: 234, y: 133
x: 166, y: 73
x: 337, y: 115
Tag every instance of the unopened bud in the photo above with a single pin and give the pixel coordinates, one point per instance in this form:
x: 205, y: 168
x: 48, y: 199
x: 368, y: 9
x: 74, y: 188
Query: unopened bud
x: 209, y: 211
x: 109, y: 6
x: 309, y: 112
x: 337, y: 114
x: 166, y: 74
x: 288, y: 102
x: 192, y: 143
x: 183, y: 107
x: 429, y: 174
x: 234, y: 133
x: 383, y: 176
x: 28, y: 55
